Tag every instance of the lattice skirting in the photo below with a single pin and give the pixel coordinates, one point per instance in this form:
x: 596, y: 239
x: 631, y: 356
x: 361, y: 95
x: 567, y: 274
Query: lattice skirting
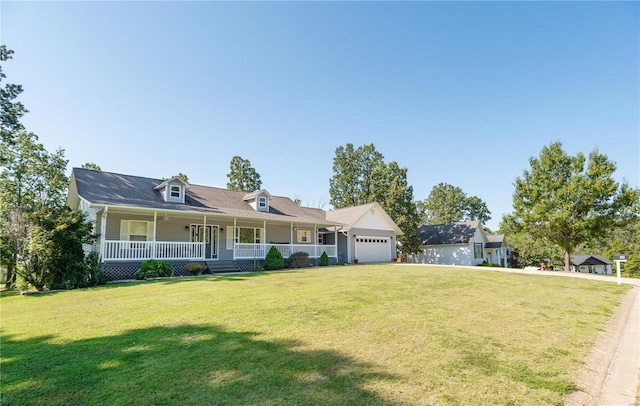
x: 247, y: 265
x: 116, y: 271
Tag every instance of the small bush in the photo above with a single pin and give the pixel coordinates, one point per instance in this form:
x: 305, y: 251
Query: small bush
x: 324, y: 259
x: 274, y: 260
x: 195, y: 268
x: 257, y: 268
x: 299, y: 260
x: 152, y: 268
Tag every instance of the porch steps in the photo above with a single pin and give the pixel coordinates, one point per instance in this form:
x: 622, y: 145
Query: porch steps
x: 223, y: 266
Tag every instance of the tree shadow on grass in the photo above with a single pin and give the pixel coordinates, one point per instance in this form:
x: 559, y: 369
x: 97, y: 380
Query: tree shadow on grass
x: 184, y: 365
x: 8, y: 292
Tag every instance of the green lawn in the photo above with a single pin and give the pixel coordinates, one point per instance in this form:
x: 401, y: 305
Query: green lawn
x: 351, y: 335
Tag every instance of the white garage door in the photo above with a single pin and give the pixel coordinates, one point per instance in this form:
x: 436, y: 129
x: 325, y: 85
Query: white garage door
x: 373, y: 249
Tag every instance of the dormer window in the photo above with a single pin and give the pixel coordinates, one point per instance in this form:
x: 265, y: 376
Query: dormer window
x: 173, y: 190
x: 176, y: 191
x: 259, y: 200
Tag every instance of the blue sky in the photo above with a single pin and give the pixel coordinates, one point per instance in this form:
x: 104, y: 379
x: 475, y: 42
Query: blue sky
x: 458, y: 92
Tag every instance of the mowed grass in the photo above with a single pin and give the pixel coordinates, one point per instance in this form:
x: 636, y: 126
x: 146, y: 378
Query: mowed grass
x: 353, y: 335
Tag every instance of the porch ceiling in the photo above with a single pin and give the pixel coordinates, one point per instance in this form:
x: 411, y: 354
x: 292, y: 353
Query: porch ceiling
x: 216, y: 215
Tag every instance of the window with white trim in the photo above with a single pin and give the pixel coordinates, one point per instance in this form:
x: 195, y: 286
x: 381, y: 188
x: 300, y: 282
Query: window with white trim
x: 136, y: 230
x: 320, y: 238
x: 262, y: 202
x: 244, y: 235
x: 304, y: 236
x: 477, y: 250
x: 372, y: 240
x: 175, y: 191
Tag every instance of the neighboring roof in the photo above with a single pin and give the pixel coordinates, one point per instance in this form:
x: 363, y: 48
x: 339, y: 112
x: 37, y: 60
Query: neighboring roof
x: 349, y: 216
x: 495, y: 241
x: 448, y: 234
x: 113, y: 189
x: 585, y: 259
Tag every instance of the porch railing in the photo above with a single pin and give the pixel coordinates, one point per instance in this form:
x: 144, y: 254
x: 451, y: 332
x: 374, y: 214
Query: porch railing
x: 250, y: 251
x: 171, y: 250
x: 142, y: 250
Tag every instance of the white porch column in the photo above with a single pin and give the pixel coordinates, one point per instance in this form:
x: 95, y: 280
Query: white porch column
x: 315, y: 240
x: 234, y: 238
x: 103, y: 231
x: 264, y: 238
x: 291, y: 239
x: 204, y: 240
x: 153, y: 246
x: 335, y: 240
x: 355, y: 247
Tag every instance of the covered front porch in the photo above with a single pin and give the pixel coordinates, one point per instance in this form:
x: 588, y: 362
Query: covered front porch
x: 128, y: 235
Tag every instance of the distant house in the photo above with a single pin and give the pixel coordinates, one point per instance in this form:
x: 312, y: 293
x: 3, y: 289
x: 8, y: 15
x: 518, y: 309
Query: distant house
x: 460, y: 243
x: 591, y: 264
x: 140, y: 218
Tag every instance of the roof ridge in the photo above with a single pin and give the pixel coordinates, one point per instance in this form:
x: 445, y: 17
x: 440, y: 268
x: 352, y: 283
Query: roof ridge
x: 162, y: 180
x: 118, y: 174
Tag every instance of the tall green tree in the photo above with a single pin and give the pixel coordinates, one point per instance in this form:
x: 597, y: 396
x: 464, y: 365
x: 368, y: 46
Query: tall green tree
x: 242, y: 176
x: 180, y: 175
x: 31, y: 180
x: 447, y: 204
x: 350, y: 184
x: 361, y: 176
x: 11, y: 110
x: 92, y: 166
x: 477, y: 210
x: 395, y: 195
x: 568, y: 200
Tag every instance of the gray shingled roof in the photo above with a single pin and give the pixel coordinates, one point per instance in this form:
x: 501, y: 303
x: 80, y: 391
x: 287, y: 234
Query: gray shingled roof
x: 582, y: 259
x: 106, y: 188
x: 494, y: 240
x: 349, y: 216
x: 448, y: 234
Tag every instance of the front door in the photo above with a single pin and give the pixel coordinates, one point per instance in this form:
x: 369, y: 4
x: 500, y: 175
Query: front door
x: 208, y: 235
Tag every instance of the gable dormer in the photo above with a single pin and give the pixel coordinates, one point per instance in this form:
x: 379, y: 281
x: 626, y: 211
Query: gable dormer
x: 173, y: 190
x: 259, y: 200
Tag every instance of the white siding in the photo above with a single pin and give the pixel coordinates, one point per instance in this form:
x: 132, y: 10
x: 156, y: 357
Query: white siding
x: 599, y: 269
x: 445, y: 255
x: 373, y: 221
x: 452, y: 254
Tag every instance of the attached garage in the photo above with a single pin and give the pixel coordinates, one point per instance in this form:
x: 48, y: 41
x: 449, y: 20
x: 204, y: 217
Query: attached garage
x: 373, y: 249
x: 368, y: 234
